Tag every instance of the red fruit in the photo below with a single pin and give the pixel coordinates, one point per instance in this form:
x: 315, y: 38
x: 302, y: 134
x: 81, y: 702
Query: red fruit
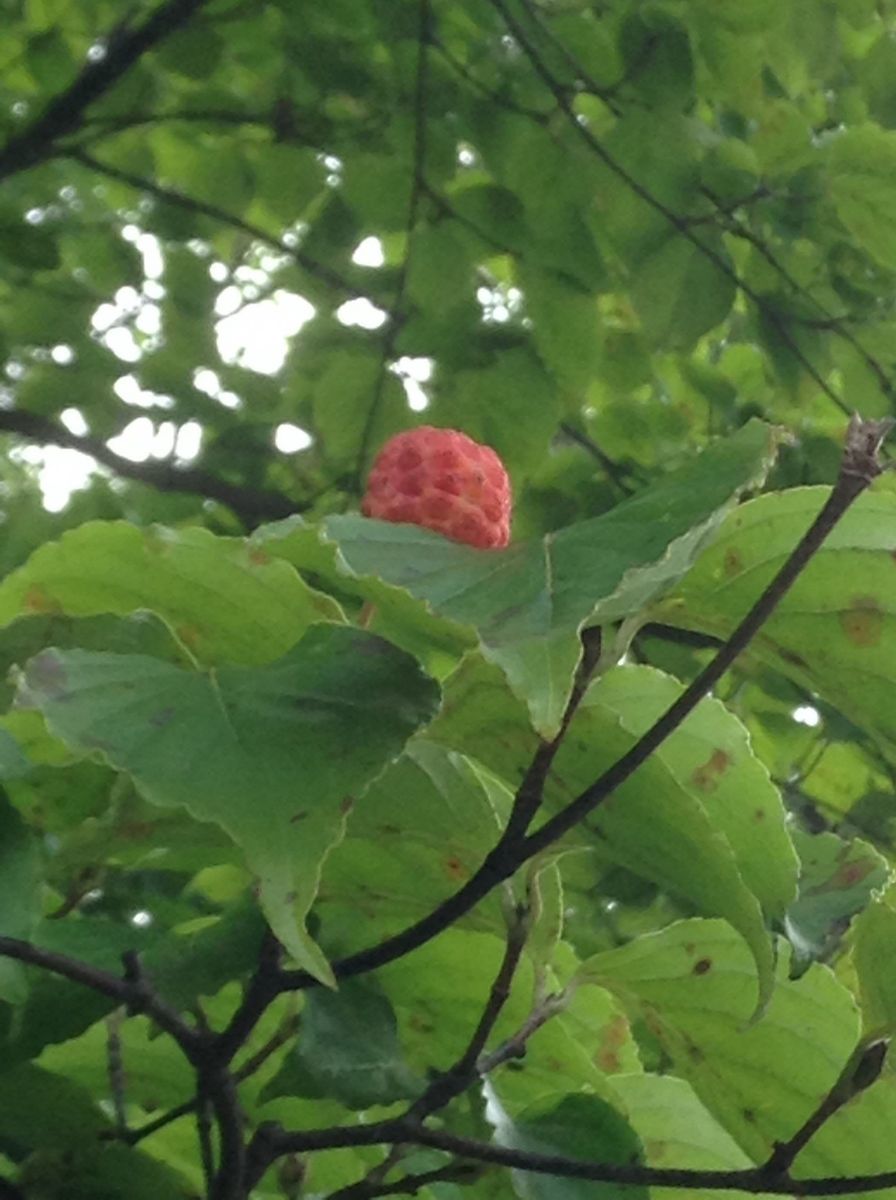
x: 443, y: 480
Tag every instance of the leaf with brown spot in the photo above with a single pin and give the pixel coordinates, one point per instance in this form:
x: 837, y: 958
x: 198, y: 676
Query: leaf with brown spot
x: 834, y: 633
x: 777, y: 1068
x: 703, y: 845
x: 837, y: 879
x: 706, y: 776
x: 863, y: 623
x: 225, y: 605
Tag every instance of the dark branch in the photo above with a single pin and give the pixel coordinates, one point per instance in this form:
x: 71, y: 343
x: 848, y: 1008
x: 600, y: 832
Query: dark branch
x: 679, y: 223
x: 176, y: 199
x: 531, y: 790
x: 860, y: 467
x: 862, y: 1068
x: 407, y: 1185
x: 605, y: 94
x: 515, y: 1045
x: 827, y: 319
x: 252, y: 505
x: 265, y: 984
x: 219, y: 1087
x: 115, y: 1071
x: 134, y: 993
x: 272, y: 1142
x: 461, y: 69
x: 396, y: 312
x: 465, y: 1071
x: 252, y: 1064
x: 64, y: 113
x: 615, y: 473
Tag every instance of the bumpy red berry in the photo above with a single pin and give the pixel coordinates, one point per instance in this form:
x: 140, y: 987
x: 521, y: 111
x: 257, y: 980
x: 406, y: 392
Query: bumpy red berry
x: 443, y: 480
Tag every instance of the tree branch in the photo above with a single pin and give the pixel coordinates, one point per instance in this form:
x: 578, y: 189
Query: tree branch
x: 396, y: 314
x: 614, y: 472
x: 252, y: 1064
x: 219, y: 1086
x: 252, y: 505
x: 132, y: 991
x: 201, y: 208
x: 828, y: 319
x: 515, y: 1045
x: 63, y: 114
x: 862, y: 1067
x: 859, y: 468
x: 407, y: 1185
x: 679, y: 223
x: 271, y: 1142
x: 458, y: 1077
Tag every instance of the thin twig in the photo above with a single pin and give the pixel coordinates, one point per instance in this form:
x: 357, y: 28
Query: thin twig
x: 251, y: 505
x: 530, y: 792
x: 860, y: 467
x: 132, y: 991
x: 679, y: 223
x: 252, y: 1064
x: 418, y: 167
x: 409, y: 1185
x: 498, y: 98
x: 589, y: 81
x: 176, y: 199
x: 464, y: 1071
x: 115, y: 1067
x: 515, y: 1045
x: 271, y: 1142
x: 65, y: 111
x: 828, y: 319
x: 614, y: 472
x: 861, y: 1069
x: 369, y: 1185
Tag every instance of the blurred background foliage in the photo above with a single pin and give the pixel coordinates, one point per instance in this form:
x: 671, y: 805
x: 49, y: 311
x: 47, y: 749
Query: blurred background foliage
x: 596, y: 234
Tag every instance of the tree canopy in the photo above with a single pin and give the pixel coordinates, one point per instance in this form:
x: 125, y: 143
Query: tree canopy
x: 341, y: 859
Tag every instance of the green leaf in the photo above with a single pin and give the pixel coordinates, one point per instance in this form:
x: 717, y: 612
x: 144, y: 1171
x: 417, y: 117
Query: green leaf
x: 692, y: 985
x: 25, y: 245
x: 510, y: 404
x: 529, y: 602
x: 875, y: 934
x: 857, y: 1139
x: 348, y: 1051
x: 20, y: 889
x: 421, y: 831
x: 837, y: 879
x: 271, y: 754
x: 223, y: 599
x: 861, y: 178
x: 48, y: 1114
x: 56, y: 1009
x: 681, y: 293
x: 576, y: 1126
x: 677, y: 1130
x: 835, y: 630
x: 566, y: 327
x: 13, y: 762
x: 680, y: 821
x: 185, y: 967
x: 353, y: 388
x: 434, y: 991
